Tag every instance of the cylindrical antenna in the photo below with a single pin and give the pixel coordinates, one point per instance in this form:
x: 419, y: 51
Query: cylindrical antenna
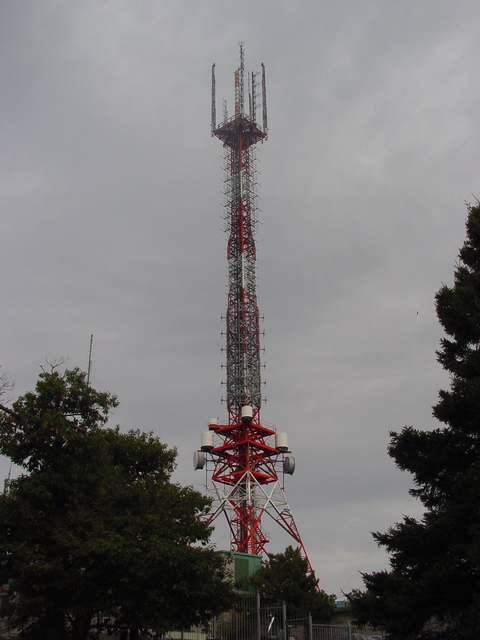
x: 253, y: 110
x: 242, y: 73
x: 89, y: 360
x: 264, y: 101
x: 214, y: 114
x: 250, y: 106
x: 238, y: 106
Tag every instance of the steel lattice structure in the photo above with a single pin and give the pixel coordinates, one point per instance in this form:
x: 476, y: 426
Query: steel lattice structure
x: 244, y: 454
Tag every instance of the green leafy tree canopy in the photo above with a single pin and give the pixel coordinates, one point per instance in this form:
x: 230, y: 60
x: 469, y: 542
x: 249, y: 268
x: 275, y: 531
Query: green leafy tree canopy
x: 285, y: 577
x: 95, y: 524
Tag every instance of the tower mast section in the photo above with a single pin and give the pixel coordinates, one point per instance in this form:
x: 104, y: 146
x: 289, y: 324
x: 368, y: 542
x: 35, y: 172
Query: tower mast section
x: 245, y: 452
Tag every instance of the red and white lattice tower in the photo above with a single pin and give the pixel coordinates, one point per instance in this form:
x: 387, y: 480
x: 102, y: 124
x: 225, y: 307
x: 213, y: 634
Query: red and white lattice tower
x: 245, y: 454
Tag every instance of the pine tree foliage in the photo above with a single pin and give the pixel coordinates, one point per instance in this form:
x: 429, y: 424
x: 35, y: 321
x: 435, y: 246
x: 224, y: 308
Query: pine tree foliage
x: 95, y: 524
x: 433, y: 587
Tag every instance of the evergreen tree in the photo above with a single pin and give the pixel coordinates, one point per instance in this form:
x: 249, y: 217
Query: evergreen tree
x: 285, y: 577
x: 94, y: 524
x: 433, y: 587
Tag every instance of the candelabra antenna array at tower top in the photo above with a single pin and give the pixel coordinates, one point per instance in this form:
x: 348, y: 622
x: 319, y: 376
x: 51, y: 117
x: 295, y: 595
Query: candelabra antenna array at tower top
x: 240, y: 99
x: 247, y: 457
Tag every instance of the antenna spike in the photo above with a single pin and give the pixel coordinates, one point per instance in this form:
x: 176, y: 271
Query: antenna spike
x: 242, y: 75
x: 264, y: 101
x: 253, y: 111
x: 89, y: 369
x: 214, y: 115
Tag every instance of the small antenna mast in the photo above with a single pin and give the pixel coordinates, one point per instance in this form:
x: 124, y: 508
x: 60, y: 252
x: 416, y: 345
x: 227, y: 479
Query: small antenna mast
x: 6, y: 482
x: 89, y: 360
x: 214, y: 115
x: 264, y: 102
x: 253, y: 100
x: 242, y: 74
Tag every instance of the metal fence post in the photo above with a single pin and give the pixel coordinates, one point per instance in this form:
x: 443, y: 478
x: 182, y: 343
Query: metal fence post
x: 310, y: 627
x: 284, y: 620
x: 259, y: 630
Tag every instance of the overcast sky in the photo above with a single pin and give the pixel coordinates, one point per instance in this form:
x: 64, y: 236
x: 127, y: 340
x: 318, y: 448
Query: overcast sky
x: 111, y: 209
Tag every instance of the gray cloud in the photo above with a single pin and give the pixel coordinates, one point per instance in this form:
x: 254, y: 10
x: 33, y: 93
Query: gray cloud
x: 110, y: 189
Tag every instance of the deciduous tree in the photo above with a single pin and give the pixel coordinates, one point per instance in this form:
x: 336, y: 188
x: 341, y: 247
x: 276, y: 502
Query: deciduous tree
x: 95, y: 524
x: 285, y: 577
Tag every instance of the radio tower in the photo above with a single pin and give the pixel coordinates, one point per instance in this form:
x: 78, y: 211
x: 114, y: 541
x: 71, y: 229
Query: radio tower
x: 245, y: 454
